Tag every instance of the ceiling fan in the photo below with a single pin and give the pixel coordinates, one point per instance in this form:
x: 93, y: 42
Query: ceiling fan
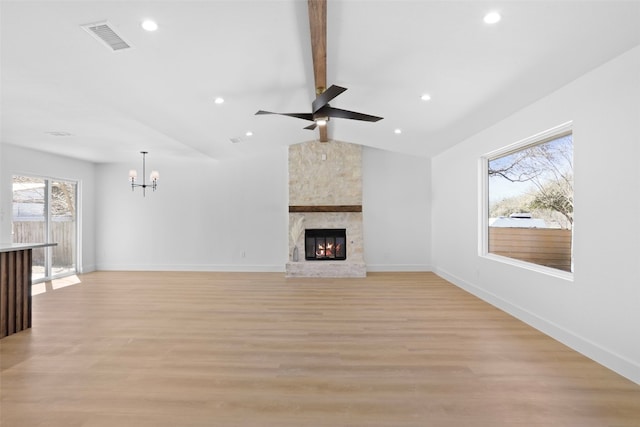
x: 321, y: 111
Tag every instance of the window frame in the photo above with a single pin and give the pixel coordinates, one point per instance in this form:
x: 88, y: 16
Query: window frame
x: 483, y: 200
x: 48, y: 257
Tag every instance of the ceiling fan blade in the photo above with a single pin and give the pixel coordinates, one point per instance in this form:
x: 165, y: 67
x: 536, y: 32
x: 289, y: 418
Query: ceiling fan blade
x: 346, y: 114
x: 326, y: 96
x: 303, y: 116
x: 311, y: 126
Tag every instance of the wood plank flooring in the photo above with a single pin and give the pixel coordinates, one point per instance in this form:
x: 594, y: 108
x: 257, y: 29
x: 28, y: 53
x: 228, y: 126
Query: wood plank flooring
x: 255, y: 349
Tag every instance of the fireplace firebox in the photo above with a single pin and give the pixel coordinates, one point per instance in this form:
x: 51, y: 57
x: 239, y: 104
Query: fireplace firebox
x: 325, y: 244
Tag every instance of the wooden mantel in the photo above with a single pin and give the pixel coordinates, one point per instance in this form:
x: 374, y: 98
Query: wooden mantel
x: 326, y: 208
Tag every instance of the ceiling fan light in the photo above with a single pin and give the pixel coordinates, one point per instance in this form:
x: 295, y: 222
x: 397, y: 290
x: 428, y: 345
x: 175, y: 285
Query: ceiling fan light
x: 321, y: 122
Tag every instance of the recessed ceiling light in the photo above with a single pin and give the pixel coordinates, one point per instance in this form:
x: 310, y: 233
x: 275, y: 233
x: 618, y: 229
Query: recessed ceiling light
x: 149, y: 25
x: 492, y: 18
x: 397, y: 131
x: 249, y: 133
x: 219, y: 100
x: 425, y: 97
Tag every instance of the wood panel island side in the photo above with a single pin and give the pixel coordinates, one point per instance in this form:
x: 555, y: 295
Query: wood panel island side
x: 15, y: 286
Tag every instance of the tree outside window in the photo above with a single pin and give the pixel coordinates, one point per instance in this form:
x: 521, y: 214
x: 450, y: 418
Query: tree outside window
x: 531, y: 203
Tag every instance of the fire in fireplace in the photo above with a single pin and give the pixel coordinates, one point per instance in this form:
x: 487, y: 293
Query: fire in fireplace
x: 325, y: 244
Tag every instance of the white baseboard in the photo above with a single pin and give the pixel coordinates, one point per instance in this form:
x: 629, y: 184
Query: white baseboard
x: 617, y: 363
x: 194, y: 267
x: 382, y: 268
x: 243, y: 268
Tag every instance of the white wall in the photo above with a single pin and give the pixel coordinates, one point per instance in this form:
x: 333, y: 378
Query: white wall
x: 396, y: 211
x: 206, y: 214
x: 598, y: 313
x: 20, y: 161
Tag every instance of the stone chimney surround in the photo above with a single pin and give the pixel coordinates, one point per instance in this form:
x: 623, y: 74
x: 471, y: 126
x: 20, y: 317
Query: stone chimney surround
x: 325, y: 192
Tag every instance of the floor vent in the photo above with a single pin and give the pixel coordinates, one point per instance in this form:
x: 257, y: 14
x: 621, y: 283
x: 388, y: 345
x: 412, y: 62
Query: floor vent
x: 104, y: 32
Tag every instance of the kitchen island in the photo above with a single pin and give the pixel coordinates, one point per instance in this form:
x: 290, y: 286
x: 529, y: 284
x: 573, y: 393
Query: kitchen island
x: 15, y: 286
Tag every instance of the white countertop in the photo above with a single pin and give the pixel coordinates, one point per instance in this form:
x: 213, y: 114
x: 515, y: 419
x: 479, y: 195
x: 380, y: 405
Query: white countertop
x: 9, y: 247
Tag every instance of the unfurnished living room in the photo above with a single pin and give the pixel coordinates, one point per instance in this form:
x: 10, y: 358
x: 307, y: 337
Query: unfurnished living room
x: 319, y: 213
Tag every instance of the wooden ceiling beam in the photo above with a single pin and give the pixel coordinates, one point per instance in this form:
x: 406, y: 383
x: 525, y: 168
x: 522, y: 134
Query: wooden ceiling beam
x: 318, y: 26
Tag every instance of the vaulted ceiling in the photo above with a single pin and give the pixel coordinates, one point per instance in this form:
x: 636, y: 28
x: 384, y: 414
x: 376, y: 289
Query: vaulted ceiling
x: 62, y: 91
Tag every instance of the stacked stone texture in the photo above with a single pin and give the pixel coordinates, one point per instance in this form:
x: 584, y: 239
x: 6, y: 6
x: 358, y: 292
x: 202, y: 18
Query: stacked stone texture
x: 326, y: 174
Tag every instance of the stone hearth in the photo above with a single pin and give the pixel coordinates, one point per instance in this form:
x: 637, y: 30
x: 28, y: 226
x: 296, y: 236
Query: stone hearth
x: 325, y: 192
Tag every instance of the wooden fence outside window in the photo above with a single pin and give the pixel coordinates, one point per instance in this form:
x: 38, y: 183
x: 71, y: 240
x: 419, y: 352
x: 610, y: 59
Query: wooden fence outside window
x: 62, y: 232
x: 550, y: 247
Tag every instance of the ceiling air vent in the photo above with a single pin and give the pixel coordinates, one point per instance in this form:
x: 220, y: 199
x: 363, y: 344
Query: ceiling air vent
x: 104, y: 32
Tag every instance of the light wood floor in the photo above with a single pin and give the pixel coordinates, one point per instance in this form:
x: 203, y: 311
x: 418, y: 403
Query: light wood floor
x: 230, y: 349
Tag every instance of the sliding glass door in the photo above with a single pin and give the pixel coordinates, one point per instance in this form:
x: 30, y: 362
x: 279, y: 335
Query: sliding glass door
x: 63, y: 227
x: 45, y: 211
x: 29, y: 219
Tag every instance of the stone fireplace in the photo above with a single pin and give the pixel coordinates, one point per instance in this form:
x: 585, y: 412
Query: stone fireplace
x: 325, y: 208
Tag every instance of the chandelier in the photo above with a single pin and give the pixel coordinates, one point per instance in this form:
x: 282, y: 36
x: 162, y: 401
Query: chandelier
x: 153, y: 177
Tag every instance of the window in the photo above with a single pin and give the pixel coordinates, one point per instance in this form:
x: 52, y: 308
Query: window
x: 529, y: 214
x: 44, y: 211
